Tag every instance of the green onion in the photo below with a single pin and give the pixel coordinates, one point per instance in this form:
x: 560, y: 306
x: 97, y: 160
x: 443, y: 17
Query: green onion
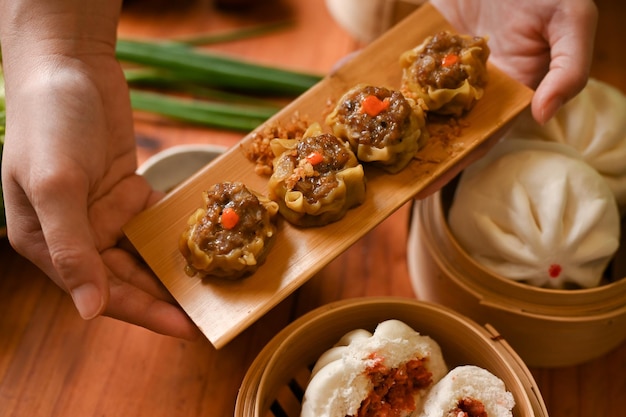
x: 215, y: 70
x: 221, y: 115
x: 164, y: 80
x: 233, y: 35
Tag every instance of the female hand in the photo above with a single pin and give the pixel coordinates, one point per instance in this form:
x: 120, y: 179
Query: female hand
x: 545, y: 44
x: 69, y: 161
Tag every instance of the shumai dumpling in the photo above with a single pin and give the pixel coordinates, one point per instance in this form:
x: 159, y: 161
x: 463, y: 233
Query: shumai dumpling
x: 381, y: 125
x: 447, y: 71
x: 385, y: 373
x: 316, y: 179
x: 535, y: 212
x: 594, y: 124
x: 231, y: 235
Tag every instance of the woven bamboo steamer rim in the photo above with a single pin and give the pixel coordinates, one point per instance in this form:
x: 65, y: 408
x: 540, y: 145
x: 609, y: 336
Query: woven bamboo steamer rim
x: 547, y: 327
x: 462, y: 341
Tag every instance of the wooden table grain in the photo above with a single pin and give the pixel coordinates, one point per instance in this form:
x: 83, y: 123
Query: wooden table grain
x: 54, y: 364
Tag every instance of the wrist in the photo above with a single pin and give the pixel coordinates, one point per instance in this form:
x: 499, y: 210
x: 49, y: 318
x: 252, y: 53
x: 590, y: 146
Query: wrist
x: 73, y: 28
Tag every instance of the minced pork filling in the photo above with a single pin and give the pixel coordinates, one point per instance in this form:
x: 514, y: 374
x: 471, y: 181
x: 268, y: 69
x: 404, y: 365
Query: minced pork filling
x: 394, y: 388
x: 468, y: 407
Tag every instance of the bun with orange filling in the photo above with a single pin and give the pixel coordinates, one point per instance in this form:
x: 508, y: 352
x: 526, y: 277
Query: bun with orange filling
x: 384, y: 373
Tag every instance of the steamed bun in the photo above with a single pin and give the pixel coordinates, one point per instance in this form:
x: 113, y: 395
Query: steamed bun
x: 536, y: 212
x: 339, y: 382
x: 594, y: 124
x: 466, y: 388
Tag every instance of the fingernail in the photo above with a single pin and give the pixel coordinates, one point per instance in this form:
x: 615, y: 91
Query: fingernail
x: 550, y: 110
x: 87, y: 300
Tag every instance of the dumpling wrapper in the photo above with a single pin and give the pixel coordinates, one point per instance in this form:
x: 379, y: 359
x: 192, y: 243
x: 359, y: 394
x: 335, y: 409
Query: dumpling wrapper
x: 463, y: 387
x: 594, y: 124
x: 338, y: 382
x: 534, y: 211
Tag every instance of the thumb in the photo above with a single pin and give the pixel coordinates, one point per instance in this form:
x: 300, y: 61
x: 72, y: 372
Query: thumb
x: 571, y: 37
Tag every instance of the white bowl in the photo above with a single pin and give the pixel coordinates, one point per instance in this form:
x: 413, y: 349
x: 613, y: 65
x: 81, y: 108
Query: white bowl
x: 168, y: 168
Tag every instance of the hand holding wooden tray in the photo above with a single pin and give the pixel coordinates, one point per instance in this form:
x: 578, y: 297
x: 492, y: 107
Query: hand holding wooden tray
x: 223, y: 309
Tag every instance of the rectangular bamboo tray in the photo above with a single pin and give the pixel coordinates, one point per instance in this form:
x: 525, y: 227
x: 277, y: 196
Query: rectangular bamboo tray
x: 223, y: 309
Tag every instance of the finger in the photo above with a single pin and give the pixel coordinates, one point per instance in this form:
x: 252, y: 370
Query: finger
x: 571, y: 36
x: 65, y: 225
x: 108, y: 214
x: 126, y: 266
x: 134, y: 306
x: 137, y: 298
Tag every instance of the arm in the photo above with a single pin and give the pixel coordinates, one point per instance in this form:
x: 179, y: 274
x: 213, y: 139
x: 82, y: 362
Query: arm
x: 68, y: 168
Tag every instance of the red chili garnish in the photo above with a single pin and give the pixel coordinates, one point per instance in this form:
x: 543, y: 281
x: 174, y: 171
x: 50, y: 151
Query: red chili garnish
x: 229, y: 218
x: 315, y: 158
x: 449, y: 60
x: 555, y: 270
x: 372, y: 105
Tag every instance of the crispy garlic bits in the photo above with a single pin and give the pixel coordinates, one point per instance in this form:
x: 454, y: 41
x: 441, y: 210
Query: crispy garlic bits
x: 381, y: 125
x: 447, y: 71
x: 231, y: 235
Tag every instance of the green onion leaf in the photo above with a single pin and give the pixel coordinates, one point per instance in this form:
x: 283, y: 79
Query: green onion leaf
x: 215, y: 70
x: 219, y: 115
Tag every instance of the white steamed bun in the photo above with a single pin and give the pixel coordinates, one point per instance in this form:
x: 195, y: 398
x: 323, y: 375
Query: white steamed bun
x: 594, y: 124
x: 536, y: 212
x: 465, y: 388
x: 339, y: 383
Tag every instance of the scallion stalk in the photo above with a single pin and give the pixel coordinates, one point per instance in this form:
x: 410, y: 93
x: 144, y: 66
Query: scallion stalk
x: 164, y: 80
x: 219, y: 115
x: 215, y: 70
x: 233, y: 35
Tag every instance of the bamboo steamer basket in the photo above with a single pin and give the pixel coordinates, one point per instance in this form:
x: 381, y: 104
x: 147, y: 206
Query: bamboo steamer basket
x: 277, y: 379
x: 547, y: 327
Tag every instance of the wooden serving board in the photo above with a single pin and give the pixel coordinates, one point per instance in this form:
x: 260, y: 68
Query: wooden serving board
x: 223, y: 309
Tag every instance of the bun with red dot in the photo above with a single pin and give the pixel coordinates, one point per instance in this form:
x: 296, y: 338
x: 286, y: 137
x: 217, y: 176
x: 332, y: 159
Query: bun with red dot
x: 536, y: 212
x: 593, y: 124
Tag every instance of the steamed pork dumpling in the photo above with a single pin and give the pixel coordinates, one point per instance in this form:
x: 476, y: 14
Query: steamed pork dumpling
x: 535, y: 212
x: 593, y: 123
x: 316, y: 179
x: 448, y: 72
x: 382, y: 126
x: 230, y: 236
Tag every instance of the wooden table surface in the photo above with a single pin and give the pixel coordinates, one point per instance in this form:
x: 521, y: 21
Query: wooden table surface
x: 52, y: 363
